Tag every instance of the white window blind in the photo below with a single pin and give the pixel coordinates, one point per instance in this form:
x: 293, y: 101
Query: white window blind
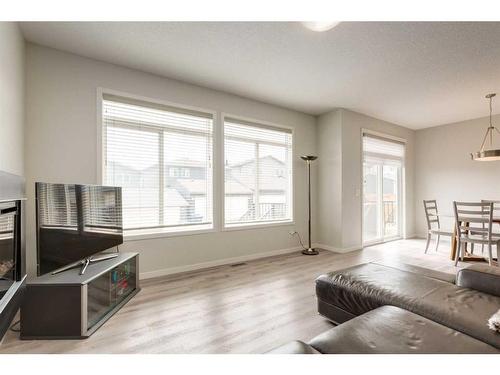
x: 162, y: 159
x: 382, y: 149
x: 258, y: 173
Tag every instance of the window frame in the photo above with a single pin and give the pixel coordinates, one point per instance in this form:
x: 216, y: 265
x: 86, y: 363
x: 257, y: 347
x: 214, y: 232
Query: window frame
x: 404, y: 160
x: 181, y: 230
x: 253, y: 225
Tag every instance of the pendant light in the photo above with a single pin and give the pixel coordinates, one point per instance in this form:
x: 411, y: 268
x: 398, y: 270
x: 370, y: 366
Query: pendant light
x: 320, y: 26
x: 488, y: 154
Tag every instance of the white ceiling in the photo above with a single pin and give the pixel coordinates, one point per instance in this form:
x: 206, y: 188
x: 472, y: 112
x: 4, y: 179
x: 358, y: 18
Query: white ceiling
x: 409, y: 73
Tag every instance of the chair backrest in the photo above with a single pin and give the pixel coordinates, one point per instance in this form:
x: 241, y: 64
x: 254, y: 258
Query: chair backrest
x: 496, y: 204
x: 431, y: 213
x: 473, y: 216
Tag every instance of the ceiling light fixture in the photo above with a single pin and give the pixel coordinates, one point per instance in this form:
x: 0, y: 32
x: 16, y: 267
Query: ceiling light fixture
x: 489, y: 154
x: 320, y: 26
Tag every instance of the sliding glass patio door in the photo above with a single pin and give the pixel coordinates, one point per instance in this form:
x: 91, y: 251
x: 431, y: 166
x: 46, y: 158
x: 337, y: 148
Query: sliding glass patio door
x: 383, y: 161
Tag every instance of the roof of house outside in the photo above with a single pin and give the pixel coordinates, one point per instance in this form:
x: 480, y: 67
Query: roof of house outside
x: 251, y: 161
x: 174, y: 199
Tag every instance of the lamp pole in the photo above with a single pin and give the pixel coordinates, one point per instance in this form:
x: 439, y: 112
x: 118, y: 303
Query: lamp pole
x: 309, y: 159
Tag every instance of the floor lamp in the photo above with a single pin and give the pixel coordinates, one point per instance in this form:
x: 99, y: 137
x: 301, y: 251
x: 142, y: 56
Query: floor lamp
x: 309, y: 159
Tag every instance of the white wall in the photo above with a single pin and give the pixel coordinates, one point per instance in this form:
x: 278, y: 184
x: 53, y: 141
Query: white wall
x: 339, y: 184
x: 329, y: 186
x: 11, y: 99
x: 61, y: 146
x: 445, y: 171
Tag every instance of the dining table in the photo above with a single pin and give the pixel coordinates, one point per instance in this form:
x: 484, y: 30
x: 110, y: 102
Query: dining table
x: 468, y: 257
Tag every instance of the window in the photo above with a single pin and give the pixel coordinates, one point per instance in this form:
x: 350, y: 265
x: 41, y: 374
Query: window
x: 258, y: 173
x: 162, y: 158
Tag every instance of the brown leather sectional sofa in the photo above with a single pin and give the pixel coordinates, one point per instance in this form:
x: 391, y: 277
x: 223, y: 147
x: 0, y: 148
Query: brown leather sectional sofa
x: 398, y: 308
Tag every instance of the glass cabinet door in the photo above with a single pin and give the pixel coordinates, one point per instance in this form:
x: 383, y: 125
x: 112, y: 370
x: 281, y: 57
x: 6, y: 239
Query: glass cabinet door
x: 105, y: 292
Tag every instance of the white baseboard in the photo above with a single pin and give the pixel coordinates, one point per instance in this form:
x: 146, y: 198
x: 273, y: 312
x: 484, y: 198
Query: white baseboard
x: 422, y: 236
x: 337, y: 249
x: 215, y: 263
x: 352, y: 248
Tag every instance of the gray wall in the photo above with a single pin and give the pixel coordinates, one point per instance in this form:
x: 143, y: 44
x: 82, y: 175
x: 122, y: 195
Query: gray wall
x: 445, y: 171
x: 11, y: 98
x: 351, y: 182
x: 339, y: 184
x: 329, y: 187
x: 61, y: 140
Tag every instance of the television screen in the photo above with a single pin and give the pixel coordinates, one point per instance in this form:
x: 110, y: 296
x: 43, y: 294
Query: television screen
x: 75, y: 221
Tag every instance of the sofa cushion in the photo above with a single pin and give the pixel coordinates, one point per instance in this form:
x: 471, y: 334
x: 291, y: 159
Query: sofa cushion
x: 366, y: 287
x: 443, y: 276
x: 390, y: 329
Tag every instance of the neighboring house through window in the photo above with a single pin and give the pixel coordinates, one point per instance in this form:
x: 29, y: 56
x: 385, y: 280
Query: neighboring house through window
x: 162, y: 158
x: 258, y: 173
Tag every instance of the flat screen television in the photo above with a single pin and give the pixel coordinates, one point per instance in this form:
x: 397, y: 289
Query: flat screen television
x: 75, y: 222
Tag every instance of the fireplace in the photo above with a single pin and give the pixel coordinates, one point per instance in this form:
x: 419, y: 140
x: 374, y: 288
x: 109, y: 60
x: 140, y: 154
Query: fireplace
x: 12, y: 247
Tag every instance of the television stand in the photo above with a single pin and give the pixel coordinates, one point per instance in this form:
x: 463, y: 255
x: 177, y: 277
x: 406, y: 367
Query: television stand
x: 84, y: 263
x: 73, y: 306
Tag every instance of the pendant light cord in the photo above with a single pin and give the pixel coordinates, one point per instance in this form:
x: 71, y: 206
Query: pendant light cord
x: 489, y: 131
x: 491, y: 99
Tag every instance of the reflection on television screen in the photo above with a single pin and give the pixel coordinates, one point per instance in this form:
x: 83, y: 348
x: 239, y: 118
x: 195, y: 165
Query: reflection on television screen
x: 75, y: 222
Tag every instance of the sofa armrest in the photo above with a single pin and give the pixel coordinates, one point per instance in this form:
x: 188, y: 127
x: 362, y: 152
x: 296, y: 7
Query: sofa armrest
x: 480, y: 277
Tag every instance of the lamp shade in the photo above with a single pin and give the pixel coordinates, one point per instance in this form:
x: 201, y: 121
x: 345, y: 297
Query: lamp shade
x: 487, y: 155
x: 308, y: 157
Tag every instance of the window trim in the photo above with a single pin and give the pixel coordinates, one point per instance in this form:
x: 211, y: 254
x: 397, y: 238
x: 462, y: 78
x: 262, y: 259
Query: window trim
x: 253, y: 225
x: 258, y: 225
x: 203, y: 228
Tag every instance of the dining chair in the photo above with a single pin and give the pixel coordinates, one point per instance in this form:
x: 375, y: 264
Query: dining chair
x: 496, y: 213
x: 474, y: 221
x: 433, y: 224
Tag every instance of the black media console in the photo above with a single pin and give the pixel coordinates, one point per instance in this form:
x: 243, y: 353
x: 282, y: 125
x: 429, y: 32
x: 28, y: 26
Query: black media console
x: 72, y: 306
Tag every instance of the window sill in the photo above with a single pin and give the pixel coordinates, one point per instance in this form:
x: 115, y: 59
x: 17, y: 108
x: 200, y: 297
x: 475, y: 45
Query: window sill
x: 168, y: 232
x: 232, y: 227
x: 202, y: 229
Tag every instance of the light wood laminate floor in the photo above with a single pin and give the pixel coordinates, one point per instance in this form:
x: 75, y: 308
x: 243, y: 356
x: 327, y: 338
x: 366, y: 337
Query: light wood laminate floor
x: 249, y: 308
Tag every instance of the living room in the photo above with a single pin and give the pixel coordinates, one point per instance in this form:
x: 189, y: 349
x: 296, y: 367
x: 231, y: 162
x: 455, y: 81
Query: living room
x: 249, y: 187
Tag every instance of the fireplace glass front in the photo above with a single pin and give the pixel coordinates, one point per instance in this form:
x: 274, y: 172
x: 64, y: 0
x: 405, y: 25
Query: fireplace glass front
x: 8, y: 211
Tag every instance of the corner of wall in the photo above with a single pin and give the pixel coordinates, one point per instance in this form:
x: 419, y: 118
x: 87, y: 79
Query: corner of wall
x: 328, y: 136
x: 12, y: 103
